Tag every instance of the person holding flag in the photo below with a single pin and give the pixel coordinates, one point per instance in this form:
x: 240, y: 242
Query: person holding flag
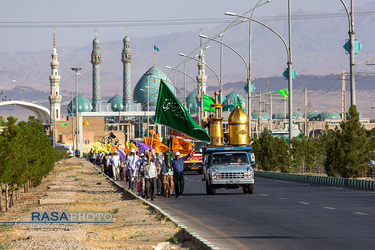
x: 178, y: 175
x: 131, y: 167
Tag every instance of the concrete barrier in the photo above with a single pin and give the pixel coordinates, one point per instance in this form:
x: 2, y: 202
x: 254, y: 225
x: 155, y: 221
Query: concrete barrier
x: 333, y: 181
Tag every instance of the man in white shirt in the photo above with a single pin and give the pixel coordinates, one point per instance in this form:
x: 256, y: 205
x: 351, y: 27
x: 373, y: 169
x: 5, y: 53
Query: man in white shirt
x: 150, y: 174
x: 131, y: 167
x: 116, y: 166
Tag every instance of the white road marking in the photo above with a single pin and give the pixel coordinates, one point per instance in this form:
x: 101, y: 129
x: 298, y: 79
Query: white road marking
x: 304, y: 203
x: 263, y: 194
x: 282, y: 198
x: 360, y: 213
x: 329, y: 208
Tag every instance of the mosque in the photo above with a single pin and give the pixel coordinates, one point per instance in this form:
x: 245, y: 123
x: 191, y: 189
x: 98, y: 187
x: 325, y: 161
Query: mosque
x: 125, y: 117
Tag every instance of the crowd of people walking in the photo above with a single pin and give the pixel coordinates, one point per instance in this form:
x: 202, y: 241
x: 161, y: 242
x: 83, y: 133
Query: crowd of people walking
x: 149, y: 173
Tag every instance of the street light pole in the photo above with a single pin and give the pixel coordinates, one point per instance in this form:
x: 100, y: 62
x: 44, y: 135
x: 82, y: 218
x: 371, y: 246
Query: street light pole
x: 77, y: 125
x: 352, y: 51
x: 289, y: 56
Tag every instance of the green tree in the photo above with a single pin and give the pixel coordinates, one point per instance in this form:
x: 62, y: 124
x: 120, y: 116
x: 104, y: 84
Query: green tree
x: 304, y: 154
x: 349, y: 152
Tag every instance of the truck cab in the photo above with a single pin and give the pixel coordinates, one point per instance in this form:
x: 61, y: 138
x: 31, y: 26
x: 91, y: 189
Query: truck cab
x: 229, y: 167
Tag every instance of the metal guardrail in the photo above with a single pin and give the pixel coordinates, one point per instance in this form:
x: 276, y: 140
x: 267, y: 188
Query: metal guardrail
x: 334, y: 181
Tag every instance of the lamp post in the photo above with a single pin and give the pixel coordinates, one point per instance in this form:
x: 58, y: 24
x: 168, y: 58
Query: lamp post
x: 289, y: 62
x: 248, y: 76
x: 76, y: 82
x: 201, y: 86
x: 352, y: 51
x: 373, y: 118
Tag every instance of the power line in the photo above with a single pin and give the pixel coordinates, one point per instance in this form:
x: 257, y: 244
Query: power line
x: 166, y: 22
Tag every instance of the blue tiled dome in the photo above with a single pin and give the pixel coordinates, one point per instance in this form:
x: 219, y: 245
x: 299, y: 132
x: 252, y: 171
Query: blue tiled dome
x: 278, y: 115
x: 359, y: 115
x: 152, y: 78
x: 191, y: 102
x: 312, y: 115
x: 84, y: 105
x: 231, y: 99
x: 256, y: 115
x: 296, y: 115
x: 329, y: 115
x: 116, y: 103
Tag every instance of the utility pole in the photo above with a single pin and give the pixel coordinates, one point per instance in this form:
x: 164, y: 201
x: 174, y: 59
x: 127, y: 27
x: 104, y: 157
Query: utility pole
x: 260, y: 112
x: 343, y: 94
x: 305, y: 111
x: 271, y: 112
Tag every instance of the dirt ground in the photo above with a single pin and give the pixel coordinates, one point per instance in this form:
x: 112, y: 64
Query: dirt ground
x: 135, y: 225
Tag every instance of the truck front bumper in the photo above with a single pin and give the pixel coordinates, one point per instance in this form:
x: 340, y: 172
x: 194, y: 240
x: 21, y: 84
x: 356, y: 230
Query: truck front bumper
x: 232, y: 181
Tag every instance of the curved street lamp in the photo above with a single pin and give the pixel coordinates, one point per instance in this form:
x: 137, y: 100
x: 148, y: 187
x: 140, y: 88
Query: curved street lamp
x: 289, y: 63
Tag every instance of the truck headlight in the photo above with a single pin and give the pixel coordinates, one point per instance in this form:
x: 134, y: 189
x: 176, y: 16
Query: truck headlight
x: 215, y: 174
x: 249, y: 174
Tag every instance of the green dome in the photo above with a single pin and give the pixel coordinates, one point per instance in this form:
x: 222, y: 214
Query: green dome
x: 360, y: 116
x: 231, y: 100
x: 296, y: 115
x: 278, y: 115
x: 116, y: 103
x: 312, y: 115
x: 191, y: 102
x: 329, y: 115
x: 256, y: 115
x: 84, y: 105
x: 150, y: 78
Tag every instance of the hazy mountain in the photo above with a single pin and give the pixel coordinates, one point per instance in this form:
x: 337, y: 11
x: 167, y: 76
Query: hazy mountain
x: 318, y: 57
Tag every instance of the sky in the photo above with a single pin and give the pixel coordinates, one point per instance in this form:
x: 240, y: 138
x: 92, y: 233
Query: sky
x: 19, y: 18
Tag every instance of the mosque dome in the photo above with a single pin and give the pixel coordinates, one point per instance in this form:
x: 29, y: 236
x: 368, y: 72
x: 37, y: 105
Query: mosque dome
x: 256, y: 115
x: 84, y: 105
x: 312, y: 115
x: 95, y: 41
x: 116, y: 103
x: 360, y: 116
x: 329, y: 115
x: 231, y: 100
x: 296, y: 115
x: 278, y: 115
x: 152, y: 79
x: 191, y: 102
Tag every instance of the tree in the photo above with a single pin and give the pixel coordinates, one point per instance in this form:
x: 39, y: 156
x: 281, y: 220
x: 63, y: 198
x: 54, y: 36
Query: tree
x: 349, y: 151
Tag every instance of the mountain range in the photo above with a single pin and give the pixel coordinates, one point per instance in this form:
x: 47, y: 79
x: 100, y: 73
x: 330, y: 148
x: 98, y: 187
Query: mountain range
x: 318, y: 57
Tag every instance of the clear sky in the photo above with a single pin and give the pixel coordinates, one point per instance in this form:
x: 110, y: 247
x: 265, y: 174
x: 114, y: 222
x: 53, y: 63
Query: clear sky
x: 51, y: 11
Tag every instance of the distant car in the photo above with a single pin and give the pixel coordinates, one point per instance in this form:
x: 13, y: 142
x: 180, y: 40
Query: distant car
x: 68, y: 147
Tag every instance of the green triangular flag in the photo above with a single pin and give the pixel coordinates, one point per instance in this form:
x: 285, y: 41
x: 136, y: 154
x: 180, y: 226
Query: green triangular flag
x: 207, y: 101
x: 239, y: 102
x: 65, y: 124
x: 170, y: 112
x: 283, y: 92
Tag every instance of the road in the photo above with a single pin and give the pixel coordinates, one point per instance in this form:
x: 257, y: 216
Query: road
x: 279, y: 215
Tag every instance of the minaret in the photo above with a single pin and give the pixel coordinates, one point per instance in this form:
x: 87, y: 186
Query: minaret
x: 201, y: 77
x: 96, y: 60
x: 55, y: 97
x: 126, y: 60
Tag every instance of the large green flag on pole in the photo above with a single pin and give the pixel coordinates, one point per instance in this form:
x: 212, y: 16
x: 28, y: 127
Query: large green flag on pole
x: 207, y: 101
x: 65, y: 124
x: 170, y: 112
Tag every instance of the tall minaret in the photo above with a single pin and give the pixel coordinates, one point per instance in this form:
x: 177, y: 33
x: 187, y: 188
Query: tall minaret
x: 126, y: 60
x: 55, y: 97
x: 96, y: 60
x: 201, y: 77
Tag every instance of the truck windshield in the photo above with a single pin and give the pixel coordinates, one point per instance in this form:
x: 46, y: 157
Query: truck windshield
x: 230, y: 158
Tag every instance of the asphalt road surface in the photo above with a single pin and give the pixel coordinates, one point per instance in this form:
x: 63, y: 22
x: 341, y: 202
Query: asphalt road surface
x: 279, y: 215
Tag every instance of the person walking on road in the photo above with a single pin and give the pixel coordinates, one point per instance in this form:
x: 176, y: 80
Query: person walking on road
x: 150, y: 174
x: 131, y: 167
x: 167, y: 172
x: 178, y: 166
x: 116, y: 161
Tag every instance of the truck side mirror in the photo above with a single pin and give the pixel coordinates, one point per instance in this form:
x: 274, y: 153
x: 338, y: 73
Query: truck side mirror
x: 252, y: 158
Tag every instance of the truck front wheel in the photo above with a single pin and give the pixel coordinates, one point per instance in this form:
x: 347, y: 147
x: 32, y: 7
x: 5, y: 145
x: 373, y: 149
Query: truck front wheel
x: 251, y: 188
x: 210, y: 189
x: 248, y: 189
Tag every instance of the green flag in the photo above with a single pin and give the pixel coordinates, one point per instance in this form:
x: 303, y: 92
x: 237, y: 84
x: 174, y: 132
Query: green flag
x: 65, y: 124
x: 170, y: 112
x: 239, y: 102
x: 283, y: 92
x: 207, y: 101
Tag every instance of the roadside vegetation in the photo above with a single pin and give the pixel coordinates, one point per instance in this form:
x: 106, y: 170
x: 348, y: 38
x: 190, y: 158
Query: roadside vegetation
x: 344, y: 152
x: 26, y: 156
